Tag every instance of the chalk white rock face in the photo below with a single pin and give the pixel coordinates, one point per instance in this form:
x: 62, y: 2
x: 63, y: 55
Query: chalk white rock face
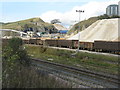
x: 107, y: 30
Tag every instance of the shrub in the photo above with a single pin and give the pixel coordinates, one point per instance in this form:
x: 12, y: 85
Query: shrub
x: 105, y: 16
x: 15, y: 43
x: 15, y: 52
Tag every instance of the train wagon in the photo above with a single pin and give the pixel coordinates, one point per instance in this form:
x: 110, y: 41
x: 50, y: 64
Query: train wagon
x: 25, y: 41
x: 65, y: 43
x: 74, y: 44
x: 111, y: 46
x: 68, y: 43
x: 33, y: 41
x: 51, y: 42
x: 87, y: 45
x: 100, y: 45
x: 39, y: 42
x: 62, y: 43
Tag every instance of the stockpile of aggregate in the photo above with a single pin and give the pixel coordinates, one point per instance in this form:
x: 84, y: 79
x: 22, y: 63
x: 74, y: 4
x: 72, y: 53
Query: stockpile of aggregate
x: 105, y: 30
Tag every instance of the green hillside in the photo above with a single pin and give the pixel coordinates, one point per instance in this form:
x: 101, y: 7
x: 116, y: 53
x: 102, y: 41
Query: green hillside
x: 82, y: 25
x: 35, y: 24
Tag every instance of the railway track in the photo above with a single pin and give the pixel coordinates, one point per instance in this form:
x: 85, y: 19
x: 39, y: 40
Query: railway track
x: 74, y: 74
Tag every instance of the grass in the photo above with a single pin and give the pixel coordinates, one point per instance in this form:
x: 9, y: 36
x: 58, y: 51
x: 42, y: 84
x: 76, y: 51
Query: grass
x: 27, y: 77
x: 89, y: 61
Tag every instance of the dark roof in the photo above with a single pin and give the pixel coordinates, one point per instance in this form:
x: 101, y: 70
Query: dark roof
x: 113, y: 5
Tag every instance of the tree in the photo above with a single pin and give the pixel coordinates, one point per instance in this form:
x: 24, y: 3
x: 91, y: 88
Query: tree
x: 55, y: 21
x: 15, y: 53
x: 115, y: 16
x: 15, y: 43
x: 105, y: 16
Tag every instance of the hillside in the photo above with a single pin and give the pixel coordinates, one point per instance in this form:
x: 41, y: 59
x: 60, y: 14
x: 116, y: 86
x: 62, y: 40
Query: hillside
x: 35, y: 24
x: 106, y: 29
x: 82, y: 25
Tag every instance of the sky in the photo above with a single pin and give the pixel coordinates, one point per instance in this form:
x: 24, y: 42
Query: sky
x: 64, y: 10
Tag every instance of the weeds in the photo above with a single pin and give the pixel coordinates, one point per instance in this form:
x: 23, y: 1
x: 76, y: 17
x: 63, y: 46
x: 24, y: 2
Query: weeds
x: 91, y: 61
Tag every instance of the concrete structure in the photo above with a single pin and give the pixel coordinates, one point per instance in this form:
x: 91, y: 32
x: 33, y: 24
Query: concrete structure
x: 18, y: 33
x: 112, y: 10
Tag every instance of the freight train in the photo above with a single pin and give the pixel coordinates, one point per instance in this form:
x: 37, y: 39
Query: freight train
x: 98, y: 46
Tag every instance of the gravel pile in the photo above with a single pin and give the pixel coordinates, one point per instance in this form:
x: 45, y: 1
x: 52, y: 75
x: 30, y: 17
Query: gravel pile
x: 106, y: 29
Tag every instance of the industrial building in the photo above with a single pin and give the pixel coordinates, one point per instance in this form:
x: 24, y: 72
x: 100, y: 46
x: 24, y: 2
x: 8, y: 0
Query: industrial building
x: 112, y: 10
x: 119, y: 7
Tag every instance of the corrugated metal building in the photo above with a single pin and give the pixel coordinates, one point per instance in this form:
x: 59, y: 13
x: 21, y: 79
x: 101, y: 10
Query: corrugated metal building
x: 112, y: 10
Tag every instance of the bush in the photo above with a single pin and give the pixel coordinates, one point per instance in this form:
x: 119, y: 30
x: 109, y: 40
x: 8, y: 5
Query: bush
x: 14, y: 51
x: 43, y: 49
x: 105, y: 16
x: 15, y: 43
x: 115, y: 16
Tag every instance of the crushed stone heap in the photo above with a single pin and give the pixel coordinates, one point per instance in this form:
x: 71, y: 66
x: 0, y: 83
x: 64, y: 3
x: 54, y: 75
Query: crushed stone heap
x: 105, y: 30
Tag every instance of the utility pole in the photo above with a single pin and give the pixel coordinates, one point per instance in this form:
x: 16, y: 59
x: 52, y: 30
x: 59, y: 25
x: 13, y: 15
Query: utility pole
x: 79, y: 11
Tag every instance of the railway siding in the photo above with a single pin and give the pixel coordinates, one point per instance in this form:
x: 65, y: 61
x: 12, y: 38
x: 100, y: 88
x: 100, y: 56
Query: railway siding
x: 78, y: 76
x: 78, y: 69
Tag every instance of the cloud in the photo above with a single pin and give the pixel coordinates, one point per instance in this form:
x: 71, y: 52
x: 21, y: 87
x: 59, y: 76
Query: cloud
x: 67, y: 18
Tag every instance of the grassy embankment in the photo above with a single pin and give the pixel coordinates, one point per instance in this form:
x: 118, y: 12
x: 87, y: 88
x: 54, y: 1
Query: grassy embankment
x: 99, y: 63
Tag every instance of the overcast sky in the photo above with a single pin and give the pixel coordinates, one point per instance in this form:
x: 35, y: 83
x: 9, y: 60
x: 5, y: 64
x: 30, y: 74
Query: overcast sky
x: 64, y: 10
